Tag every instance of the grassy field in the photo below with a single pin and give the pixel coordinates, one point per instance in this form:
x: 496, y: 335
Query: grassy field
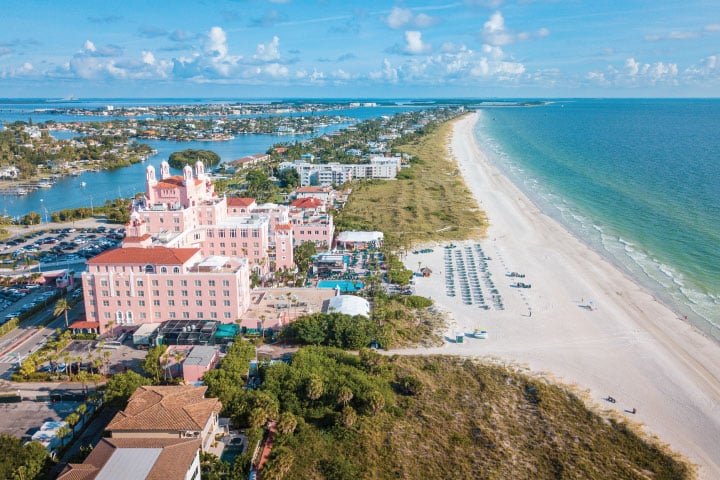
x: 431, y: 202
x: 465, y: 420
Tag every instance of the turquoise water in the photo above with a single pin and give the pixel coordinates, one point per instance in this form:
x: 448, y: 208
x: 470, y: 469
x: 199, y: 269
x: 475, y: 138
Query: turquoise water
x: 345, y: 285
x: 637, y: 180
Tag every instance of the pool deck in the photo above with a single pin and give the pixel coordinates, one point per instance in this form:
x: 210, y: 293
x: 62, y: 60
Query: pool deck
x: 281, y: 305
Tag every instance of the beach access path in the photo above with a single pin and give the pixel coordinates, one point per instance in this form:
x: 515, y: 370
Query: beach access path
x: 628, y: 346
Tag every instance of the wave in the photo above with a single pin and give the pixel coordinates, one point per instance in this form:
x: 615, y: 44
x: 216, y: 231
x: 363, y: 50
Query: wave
x: 663, y: 280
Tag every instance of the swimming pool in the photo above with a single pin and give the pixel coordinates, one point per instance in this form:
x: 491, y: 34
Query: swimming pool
x: 345, y: 285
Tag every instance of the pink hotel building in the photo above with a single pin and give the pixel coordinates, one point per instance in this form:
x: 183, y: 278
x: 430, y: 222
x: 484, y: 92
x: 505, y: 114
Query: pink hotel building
x: 188, y: 254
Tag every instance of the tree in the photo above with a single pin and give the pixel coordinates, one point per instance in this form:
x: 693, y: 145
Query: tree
x: 61, y: 307
x: 287, y: 423
x: 72, y: 420
x: 376, y: 402
x: 18, y: 461
x: 348, y: 417
x: 189, y: 156
x: 315, y: 388
x: 280, y: 463
x: 27, y: 367
x: 152, y: 365
x: 345, y: 394
x: 302, y: 254
x: 121, y: 386
x: 62, y: 433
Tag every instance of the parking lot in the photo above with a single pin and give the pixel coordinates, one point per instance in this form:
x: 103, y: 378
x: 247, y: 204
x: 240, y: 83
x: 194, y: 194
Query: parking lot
x: 59, y: 245
x: 25, y: 418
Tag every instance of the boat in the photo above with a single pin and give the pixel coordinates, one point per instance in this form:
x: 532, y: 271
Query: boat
x: 83, y: 184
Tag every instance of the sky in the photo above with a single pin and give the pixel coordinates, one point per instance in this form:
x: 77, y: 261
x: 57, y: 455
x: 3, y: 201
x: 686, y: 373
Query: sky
x: 368, y: 49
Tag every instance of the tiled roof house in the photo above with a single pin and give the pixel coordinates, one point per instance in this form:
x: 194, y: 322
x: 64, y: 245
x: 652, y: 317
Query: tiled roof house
x: 168, y: 412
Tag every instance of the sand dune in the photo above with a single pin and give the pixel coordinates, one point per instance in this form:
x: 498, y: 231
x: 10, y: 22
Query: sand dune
x: 630, y: 346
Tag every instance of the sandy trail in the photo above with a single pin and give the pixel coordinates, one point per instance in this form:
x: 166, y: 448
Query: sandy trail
x: 630, y: 347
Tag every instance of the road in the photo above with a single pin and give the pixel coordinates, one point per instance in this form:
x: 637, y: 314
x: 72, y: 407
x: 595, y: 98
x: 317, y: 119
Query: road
x: 28, y: 338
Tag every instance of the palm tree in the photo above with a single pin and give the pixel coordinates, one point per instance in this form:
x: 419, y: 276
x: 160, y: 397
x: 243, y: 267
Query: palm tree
x: 63, y: 432
x: 345, y: 394
x: 315, y: 388
x: 287, y: 423
x: 72, y: 420
x: 262, y: 323
x: 376, y: 402
x: 348, y: 417
x: 62, y: 307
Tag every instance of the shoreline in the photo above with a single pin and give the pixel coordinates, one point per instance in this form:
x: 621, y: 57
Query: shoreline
x: 634, y: 271
x: 632, y: 347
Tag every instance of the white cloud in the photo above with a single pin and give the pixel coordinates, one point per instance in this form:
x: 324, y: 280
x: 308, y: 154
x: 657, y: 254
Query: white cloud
x: 484, y: 3
x: 708, y: 69
x: 148, y: 57
x: 388, y: 73
x: 217, y: 42
x: 402, y: 17
x: 414, y: 44
x: 494, y: 32
x: 341, y: 74
x: 635, y: 73
x: 423, y: 20
x: 712, y: 28
x: 89, y: 47
x: 24, y: 70
x: 399, y: 17
x: 672, y: 36
x: 455, y: 64
x: 268, y: 52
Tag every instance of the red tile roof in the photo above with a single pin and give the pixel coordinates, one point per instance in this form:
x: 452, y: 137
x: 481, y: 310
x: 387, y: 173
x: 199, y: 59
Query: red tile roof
x: 310, y: 202
x: 137, y: 239
x: 171, y: 182
x: 240, y: 201
x: 286, y: 226
x: 174, y: 408
x: 144, y: 256
x: 85, y: 324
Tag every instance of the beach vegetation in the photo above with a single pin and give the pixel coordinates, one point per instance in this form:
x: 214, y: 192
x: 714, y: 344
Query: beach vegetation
x: 439, y: 417
x: 429, y: 200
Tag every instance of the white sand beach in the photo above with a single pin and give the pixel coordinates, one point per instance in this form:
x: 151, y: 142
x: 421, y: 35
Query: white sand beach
x: 630, y: 346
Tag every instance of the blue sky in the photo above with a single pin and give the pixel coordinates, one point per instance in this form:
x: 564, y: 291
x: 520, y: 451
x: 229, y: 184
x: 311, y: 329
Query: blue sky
x: 333, y: 48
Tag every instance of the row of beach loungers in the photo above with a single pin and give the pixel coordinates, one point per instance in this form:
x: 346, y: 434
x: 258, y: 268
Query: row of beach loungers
x: 466, y: 272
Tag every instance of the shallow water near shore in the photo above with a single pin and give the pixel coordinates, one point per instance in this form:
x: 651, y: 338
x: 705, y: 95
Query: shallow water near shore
x: 636, y: 180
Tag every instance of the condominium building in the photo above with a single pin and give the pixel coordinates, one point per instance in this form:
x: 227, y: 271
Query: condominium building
x: 338, y: 173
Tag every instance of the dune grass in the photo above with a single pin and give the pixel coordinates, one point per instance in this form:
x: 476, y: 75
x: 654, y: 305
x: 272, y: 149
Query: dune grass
x: 466, y: 420
x: 428, y: 202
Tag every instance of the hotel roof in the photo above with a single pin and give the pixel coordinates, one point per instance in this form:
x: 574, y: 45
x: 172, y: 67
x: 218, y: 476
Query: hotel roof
x: 171, y: 182
x: 173, y: 408
x: 153, y: 255
x: 309, y: 202
x: 240, y: 201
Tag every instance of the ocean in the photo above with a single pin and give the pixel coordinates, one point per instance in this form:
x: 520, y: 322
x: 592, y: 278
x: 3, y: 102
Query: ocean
x: 636, y: 180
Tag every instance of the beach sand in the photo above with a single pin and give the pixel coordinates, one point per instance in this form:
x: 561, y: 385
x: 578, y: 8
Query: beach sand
x: 630, y: 347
